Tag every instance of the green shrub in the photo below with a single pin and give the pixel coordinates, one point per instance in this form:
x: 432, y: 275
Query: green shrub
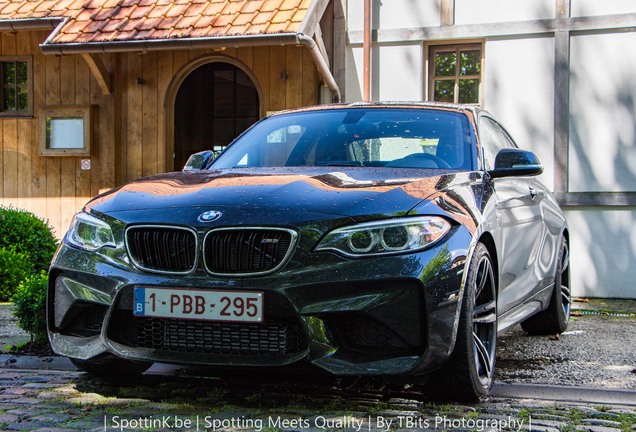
x: 30, y: 306
x: 26, y: 233
x: 14, y: 268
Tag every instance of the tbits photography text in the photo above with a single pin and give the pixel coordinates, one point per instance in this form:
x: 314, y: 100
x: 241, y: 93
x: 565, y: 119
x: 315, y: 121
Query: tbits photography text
x: 320, y: 422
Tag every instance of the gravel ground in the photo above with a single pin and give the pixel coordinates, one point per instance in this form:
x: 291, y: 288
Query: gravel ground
x: 10, y: 334
x: 596, y: 351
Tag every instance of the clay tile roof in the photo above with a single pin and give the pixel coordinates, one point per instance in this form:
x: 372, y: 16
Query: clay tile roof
x: 100, y: 21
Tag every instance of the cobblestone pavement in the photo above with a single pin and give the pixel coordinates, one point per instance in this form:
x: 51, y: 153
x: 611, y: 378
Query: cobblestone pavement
x: 47, y: 394
x: 56, y: 401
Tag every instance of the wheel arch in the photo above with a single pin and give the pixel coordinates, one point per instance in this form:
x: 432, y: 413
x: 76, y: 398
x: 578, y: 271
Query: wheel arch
x: 487, y: 240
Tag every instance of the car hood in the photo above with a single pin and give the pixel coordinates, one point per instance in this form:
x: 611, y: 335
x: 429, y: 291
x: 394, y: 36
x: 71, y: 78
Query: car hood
x: 351, y: 192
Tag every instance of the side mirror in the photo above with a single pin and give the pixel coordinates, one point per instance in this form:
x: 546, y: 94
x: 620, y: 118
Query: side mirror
x: 199, y: 161
x: 511, y: 162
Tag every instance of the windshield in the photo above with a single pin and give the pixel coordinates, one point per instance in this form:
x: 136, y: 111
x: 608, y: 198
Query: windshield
x: 378, y: 137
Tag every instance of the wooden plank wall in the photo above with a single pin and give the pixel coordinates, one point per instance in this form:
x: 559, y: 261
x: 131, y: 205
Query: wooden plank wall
x: 129, y: 126
x: 142, y: 115
x: 53, y: 188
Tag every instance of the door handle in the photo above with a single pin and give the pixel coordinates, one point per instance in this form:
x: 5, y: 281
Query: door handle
x: 533, y: 192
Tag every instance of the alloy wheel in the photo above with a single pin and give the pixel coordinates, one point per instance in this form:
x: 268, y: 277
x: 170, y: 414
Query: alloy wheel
x: 485, y: 320
x: 566, y: 295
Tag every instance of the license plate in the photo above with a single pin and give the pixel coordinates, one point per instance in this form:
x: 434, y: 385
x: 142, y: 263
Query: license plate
x: 199, y: 304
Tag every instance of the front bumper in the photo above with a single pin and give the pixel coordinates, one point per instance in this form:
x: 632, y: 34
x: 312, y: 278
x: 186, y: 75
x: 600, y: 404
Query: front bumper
x: 381, y: 316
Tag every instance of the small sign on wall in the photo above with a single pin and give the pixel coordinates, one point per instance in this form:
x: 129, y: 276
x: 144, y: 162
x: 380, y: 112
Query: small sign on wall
x: 85, y: 165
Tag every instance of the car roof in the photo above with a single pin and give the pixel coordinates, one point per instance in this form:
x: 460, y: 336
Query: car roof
x: 442, y: 106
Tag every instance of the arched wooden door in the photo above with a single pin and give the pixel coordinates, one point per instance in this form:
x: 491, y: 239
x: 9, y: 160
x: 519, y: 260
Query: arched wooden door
x: 215, y: 103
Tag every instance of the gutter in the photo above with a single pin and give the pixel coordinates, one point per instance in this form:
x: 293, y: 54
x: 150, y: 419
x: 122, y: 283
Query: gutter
x: 143, y: 46
x: 30, y: 24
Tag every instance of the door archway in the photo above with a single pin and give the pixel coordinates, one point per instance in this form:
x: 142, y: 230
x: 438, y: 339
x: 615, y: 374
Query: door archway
x: 214, y: 100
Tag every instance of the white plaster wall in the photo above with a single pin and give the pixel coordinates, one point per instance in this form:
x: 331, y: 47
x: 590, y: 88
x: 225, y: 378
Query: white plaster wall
x: 353, y: 76
x: 596, y: 7
x: 519, y: 91
x: 602, y: 150
x: 400, y: 73
x: 602, y: 252
x: 391, y: 14
x: 396, y: 73
x: 488, y: 11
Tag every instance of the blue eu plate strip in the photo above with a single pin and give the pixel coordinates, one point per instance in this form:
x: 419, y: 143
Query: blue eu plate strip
x: 140, y: 301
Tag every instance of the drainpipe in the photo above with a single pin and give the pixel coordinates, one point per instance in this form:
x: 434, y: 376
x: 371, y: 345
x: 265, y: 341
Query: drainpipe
x: 366, y: 48
x: 321, y: 64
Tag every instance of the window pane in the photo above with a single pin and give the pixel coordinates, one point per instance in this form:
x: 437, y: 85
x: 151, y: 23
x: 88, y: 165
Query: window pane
x: 470, y: 62
x: 445, y: 63
x: 22, y: 73
x: 444, y: 91
x: 9, y: 73
x: 23, y: 99
x: 9, y: 99
x: 469, y: 91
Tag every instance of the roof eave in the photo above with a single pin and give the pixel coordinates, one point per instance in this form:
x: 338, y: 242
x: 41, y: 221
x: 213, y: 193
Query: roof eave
x: 142, y: 46
x: 146, y: 45
x: 30, y: 24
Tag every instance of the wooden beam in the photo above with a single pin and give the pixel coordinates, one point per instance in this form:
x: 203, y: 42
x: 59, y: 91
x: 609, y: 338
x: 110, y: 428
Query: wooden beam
x: 561, y: 109
x: 321, y: 45
x: 447, y: 12
x: 366, y: 52
x: 99, y: 71
x: 619, y: 22
x: 339, y: 45
x: 562, y: 8
x: 596, y: 199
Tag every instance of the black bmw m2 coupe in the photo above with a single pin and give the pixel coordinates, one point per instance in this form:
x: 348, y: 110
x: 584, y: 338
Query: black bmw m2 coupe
x: 365, y: 239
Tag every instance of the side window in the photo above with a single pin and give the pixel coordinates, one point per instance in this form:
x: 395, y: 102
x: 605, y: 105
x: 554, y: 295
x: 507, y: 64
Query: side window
x: 492, y: 138
x: 16, y: 87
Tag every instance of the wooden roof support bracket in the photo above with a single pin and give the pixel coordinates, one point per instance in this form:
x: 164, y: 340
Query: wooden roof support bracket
x: 99, y: 71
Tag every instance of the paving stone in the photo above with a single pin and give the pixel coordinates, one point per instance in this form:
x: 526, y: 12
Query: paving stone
x: 25, y: 425
x: 20, y: 411
x: 544, y: 416
x: 26, y: 401
x: 597, y: 429
x: 56, y: 429
x: 623, y: 411
x: 39, y: 386
x: 8, y: 418
x: 601, y: 422
x: 54, y: 418
x: 547, y: 423
x: 39, y: 379
x: 538, y: 428
x: 19, y: 391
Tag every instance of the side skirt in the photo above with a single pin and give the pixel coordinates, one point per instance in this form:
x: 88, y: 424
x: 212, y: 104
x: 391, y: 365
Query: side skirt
x: 535, y: 304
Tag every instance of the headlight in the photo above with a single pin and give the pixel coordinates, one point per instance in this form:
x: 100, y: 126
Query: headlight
x: 386, y: 237
x: 89, y: 233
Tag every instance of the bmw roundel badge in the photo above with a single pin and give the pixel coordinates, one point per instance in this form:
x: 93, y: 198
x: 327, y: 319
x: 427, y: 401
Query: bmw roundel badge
x: 209, y: 216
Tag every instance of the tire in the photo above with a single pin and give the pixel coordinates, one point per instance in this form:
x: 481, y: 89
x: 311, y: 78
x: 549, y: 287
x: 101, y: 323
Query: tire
x: 467, y: 376
x: 111, y: 366
x: 555, y: 318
